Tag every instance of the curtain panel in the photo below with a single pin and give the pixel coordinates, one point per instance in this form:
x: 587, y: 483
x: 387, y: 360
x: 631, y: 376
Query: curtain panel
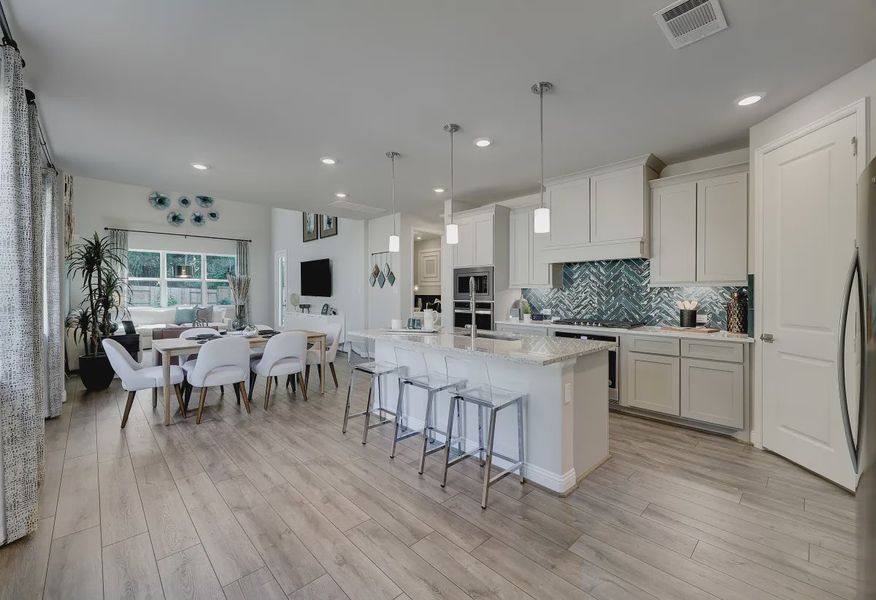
x: 119, y: 242
x: 21, y: 310
x: 243, y: 269
x: 54, y: 285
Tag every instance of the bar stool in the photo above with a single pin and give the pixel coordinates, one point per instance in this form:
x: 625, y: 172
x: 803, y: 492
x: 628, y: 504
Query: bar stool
x: 490, y: 400
x: 419, y: 375
x: 360, y: 355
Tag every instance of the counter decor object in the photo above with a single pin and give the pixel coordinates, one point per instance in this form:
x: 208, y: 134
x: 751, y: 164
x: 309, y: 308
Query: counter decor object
x: 687, y: 312
x: 737, y: 312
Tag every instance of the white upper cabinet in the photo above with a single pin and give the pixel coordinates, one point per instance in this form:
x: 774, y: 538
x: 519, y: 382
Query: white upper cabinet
x: 483, y: 241
x: 601, y: 213
x: 464, y: 251
x: 527, y: 268
x: 722, y: 229
x: 699, y: 228
x: 674, y: 234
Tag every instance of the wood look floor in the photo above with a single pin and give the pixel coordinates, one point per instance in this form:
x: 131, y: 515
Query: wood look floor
x: 280, y: 504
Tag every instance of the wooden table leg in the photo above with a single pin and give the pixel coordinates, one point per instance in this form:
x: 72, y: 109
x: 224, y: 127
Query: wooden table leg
x: 166, y: 367
x: 322, y: 362
x: 155, y: 355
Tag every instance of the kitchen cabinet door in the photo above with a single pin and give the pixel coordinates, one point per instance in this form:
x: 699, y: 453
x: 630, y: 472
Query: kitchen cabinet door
x: 713, y: 392
x: 617, y: 205
x: 483, y: 240
x: 653, y: 382
x: 520, y: 251
x: 674, y: 234
x: 570, y: 214
x: 722, y: 230
x: 464, y: 252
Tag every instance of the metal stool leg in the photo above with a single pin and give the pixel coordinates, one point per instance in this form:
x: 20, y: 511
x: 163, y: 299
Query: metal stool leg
x: 367, y: 413
x: 520, y: 440
x: 481, y: 434
x: 453, y: 401
x: 398, y: 415
x: 428, y: 429
x: 489, y: 462
x: 347, y: 408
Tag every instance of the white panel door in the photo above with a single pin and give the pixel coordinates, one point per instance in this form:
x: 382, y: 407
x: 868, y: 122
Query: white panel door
x: 570, y: 214
x: 674, y: 234
x: 809, y: 204
x: 617, y: 205
x: 722, y: 229
x: 519, y: 248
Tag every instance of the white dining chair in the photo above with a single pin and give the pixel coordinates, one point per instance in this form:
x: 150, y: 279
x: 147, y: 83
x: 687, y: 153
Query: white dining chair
x: 220, y: 362
x: 285, y: 354
x: 184, y: 358
x: 333, y: 335
x: 136, y: 377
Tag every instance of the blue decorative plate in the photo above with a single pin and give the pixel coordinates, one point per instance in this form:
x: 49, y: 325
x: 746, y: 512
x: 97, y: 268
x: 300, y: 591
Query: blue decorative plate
x: 381, y: 279
x: 372, y: 280
x: 213, y: 215
x: 391, y: 278
x: 184, y: 201
x: 159, y: 200
x: 198, y: 219
x: 175, y: 218
x: 205, y: 201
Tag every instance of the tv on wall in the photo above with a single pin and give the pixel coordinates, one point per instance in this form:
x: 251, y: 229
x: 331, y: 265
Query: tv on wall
x: 316, y: 277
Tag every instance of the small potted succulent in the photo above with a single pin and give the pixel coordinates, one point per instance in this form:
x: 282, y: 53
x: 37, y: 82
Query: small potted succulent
x: 95, y: 262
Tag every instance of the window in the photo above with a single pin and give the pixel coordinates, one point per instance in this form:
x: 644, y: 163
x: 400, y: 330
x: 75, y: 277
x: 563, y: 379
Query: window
x: 153, y: 278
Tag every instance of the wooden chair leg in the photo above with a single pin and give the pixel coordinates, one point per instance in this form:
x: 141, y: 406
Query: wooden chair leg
x: 306, y: 376
x: 201, y: 404
x: 245, y: 397
x: 128, y: 405
x: 334, y: 375
x: 294, y: 385
x: 252, y: 379
x: 302, y: 382
x: 236, y: 392
x: 222, y: 390
x: 179, y: 398
x: 268, y: 390
x: 319, y: 370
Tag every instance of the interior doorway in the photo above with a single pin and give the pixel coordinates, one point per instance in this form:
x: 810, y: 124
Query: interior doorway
x: 281, y: 291
x: 426, y: 288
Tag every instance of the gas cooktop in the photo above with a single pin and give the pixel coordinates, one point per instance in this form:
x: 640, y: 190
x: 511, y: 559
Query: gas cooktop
x: 599, y: 323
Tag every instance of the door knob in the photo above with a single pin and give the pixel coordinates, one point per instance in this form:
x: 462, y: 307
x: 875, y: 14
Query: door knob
x: 767, y: 337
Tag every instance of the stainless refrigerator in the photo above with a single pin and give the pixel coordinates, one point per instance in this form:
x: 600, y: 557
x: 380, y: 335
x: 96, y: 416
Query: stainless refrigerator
x: 860, y: 427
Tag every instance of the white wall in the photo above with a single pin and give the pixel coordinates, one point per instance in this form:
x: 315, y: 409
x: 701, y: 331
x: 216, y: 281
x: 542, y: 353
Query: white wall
x: 98, y: 204
x: 346, y: 252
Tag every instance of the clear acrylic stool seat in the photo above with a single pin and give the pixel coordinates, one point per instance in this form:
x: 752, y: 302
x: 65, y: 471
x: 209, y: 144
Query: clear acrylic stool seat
x: 360, y: 354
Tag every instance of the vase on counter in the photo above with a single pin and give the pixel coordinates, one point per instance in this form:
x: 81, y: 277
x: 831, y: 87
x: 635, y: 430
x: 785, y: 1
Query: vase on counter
x: 737, y: 312
x: 239, y: 321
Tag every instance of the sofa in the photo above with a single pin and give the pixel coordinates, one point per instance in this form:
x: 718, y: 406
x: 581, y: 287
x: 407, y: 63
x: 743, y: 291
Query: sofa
x: 147, y: 319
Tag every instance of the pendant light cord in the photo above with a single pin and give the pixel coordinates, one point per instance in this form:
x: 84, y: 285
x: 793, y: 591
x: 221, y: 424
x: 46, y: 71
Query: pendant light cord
x: 541, y: 140
x: 394, y: 211
x: 451, y: 174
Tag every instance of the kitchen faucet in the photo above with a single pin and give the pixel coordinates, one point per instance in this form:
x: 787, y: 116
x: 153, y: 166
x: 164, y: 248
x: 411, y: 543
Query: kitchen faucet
x: 471, y: 297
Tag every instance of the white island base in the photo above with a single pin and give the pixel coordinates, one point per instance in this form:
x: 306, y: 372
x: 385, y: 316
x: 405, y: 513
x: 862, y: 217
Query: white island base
x: 566, y: 405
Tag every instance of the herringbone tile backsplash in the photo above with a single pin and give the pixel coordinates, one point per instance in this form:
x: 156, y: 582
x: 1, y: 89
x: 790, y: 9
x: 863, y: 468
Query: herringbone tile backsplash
x: 618, y: 289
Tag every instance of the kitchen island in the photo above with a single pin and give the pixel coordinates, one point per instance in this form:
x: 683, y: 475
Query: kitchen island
x: 564, y: 380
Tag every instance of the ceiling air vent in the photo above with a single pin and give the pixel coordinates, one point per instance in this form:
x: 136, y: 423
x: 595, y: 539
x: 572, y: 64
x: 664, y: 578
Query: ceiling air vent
x: 688, y: 21
x: 356, y: 207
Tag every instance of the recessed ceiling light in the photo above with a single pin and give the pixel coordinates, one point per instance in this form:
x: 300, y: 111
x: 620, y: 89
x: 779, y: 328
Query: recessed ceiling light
x: 340, y: 195
x: 328, y: 160
x: 483, y: 142
x: 749, y: 100
x: 200, y: 166
x: 419, y: 237
x: 438, y: 190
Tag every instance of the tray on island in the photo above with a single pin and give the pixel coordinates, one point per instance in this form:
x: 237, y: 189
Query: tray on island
x: 406, y: 330
x: 690, y: 329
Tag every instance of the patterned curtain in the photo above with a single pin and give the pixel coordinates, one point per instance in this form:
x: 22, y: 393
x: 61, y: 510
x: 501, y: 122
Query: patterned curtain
x: 54, y: 285
x: 243, y: 269
x: 119, y: 240
x: 21, y: 310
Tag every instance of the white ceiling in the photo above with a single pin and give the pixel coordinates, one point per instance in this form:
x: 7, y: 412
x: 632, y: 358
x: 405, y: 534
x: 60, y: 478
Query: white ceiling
x: 136, y: 90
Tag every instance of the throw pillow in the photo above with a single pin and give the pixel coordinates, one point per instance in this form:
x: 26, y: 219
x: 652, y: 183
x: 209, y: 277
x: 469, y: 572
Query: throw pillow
x: 184, y: 315
x: 204, y: 313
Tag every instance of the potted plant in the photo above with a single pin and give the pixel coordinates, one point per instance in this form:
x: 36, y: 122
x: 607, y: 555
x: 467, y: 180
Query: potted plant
x: 239, y: 285
x: 95, y: 262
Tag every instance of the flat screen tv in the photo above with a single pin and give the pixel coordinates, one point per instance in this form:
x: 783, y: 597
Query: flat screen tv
x: 316, y: 277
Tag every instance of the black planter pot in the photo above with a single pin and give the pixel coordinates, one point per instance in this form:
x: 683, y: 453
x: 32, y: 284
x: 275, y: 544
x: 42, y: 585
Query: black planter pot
x: 95, y: 372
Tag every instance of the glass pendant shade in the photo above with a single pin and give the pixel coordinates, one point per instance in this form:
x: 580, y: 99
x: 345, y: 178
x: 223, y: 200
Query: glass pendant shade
x: 541, y: 220
x: 394, y: 243
x: 452, y: 233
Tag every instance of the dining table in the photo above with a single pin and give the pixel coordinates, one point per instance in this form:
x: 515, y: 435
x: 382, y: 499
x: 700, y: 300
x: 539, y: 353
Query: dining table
x: 164, y: 350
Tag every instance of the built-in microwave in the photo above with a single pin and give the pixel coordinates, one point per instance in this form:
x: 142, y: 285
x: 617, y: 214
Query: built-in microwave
x: 480, y: 277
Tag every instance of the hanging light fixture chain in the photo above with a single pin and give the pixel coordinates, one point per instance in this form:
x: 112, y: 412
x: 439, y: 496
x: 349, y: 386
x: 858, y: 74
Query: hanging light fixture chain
x: 392, y: 156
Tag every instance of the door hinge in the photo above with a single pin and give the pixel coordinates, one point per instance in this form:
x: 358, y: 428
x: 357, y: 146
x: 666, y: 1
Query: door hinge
x: 854, y: 146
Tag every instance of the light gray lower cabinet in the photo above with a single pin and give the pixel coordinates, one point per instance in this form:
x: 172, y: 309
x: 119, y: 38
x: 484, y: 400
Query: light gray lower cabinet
x: 713, y: 391
x: 652, y: 382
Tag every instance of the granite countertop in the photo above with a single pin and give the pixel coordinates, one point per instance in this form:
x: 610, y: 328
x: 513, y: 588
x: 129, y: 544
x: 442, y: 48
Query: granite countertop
x: 719, y: 336
x: 534, y: 350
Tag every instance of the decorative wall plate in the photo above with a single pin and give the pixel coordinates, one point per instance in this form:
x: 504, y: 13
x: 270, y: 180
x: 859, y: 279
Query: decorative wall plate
x: 205, y: 201
x: 375, y: 271
x: 198, y: 219
x: 184, y: 201
x: 175, y: 218
x: 372, y: 279
x: 391, y: 278
x: 213, y: 215
x: 381, y: 279
x: 159, y: 200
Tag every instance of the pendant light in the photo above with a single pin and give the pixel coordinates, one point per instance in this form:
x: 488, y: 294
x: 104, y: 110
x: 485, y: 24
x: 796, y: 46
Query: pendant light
x: 542, y: 216
x: 394, y: 241
x: 452, y: 233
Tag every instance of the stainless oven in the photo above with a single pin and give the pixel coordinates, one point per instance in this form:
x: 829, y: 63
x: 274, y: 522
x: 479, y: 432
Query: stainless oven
x: 483, y: 284
x: 483, y: 314
x: 613, y: 362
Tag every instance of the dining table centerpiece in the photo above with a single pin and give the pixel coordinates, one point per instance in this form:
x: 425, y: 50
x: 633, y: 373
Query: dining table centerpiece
x: 239, y: 285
